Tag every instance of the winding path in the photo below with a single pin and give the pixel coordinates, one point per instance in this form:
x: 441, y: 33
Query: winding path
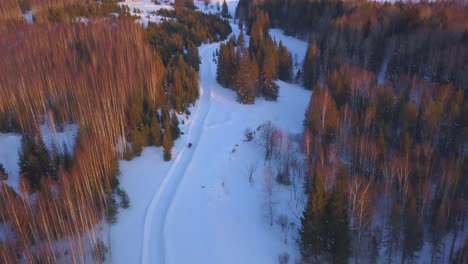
x: 153, y: 249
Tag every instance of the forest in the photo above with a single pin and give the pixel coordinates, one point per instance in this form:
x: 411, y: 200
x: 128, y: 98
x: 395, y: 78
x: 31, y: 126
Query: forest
x: 386, y: 130
x: 120, y: 83
x: 384, y: 140
x: 252, y: 70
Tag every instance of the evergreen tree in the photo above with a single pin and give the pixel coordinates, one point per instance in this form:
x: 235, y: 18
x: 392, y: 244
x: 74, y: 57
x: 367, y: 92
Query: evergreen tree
x: 311, y: 67
x: 337, y: 220
x: 269, y: 88
x: 140, y: 140
x: 413, y: 231
x: 227, y: 65
x: 34, y: 160
x: 155, y: 132
x: 225, y: 10
x: 43, y: 156
x: 313, y: 223
x: 285, y: 63
x: 175, y: 130
x: 123, y: 196
x: 67, y: 159
x: 167, y: 141
x: 111, y: 209
x: 438, y: 230
x: 246, y: 80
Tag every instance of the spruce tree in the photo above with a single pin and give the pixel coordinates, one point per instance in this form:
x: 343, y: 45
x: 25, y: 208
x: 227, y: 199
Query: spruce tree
x: 246, y: 80
x: 313, y: 221
x: 269, y: 73
x: 311, y: 67
x: 285, y: 63
x: 43, y: 156
x: 67, y: 159
x: 225, y: 10
x: 155, y: 132
x: 413, y: 231
x: 175, y: 130
x: 167, y: 141
x: 226, y: 65
x: 337, y: 220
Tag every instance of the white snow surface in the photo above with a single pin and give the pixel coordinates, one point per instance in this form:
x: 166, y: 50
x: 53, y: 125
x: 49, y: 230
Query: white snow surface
x: 215, y: 6
x: 146, y: 9
x: 10, y: 145
x: 200, y: 207
x: 28, y: 17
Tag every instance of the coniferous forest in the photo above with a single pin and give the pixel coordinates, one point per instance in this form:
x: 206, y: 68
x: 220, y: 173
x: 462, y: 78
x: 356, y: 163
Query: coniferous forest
x: 122, y: 84
x: 384, y: 138
x: 386, y: 130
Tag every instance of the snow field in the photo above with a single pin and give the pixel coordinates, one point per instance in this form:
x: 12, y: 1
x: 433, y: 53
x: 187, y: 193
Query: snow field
x: 200, y: 207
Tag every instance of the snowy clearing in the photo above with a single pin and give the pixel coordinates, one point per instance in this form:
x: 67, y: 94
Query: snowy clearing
x: 146, y: 10
x: 201, y: 203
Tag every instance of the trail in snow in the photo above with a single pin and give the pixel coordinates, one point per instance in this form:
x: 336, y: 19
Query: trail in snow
x: 153, y: 249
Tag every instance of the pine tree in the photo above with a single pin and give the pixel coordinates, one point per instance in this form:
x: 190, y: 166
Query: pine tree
x: 43, y: 156
x: 175, y: 130
x: 269, y: 88
x: 285, y: 63
x: 140, y: 140
x: 30, y: 163
x: 225, y: 10
x: 313, y: 223
x: 311, y: 67
x: 67, y: 159
x: 413, y: 231
x: 155, y: 132
x: 227, y: 68
x: 438, y: 230
x: 246, y: 80
x: 337, y: 220
x: 167, y: 141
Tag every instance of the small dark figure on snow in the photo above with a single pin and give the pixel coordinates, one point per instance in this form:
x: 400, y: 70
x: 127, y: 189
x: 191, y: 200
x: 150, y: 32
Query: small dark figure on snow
x: 190, y: 145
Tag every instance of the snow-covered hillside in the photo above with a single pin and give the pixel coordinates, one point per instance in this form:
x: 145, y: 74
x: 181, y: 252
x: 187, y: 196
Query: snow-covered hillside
x: 200, y: 207
x: 147, y: 9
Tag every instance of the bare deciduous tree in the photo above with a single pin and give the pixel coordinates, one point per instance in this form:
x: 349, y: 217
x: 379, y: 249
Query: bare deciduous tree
x: 361, y: 207
x: 286, y: 226
x: 268, y: 186
x: 268, y: 139
x: 251, y: 169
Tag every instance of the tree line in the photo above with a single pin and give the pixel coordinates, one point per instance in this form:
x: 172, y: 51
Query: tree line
x: 387, y: 169
x: 251, y: 71
x: 428, y: 40
x: 122, y: 87
x: 385, y: 131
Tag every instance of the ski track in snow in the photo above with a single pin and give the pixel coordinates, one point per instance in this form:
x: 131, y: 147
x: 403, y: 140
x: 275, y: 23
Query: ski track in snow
x: 156, y: 212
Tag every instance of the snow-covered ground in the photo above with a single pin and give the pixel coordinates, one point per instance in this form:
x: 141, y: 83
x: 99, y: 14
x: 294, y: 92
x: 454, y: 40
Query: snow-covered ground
x: 215, y: 6
x: 146, y: 9
x: 200, y: 207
